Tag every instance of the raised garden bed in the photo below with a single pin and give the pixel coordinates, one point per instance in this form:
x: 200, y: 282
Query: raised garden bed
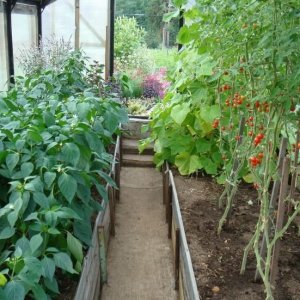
x: 217, y: 259
x: 94, y: 273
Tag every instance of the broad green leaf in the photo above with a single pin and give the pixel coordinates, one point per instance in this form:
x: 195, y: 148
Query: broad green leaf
x: 206, y: 69
x: 249, y: 178
x: 179, y: 3
x: 210, y: 113
x: 187, y: 163
x: 52, y: 285
x: 184, y: 35
x: 20, y: 144
x: 52, y: 147
x: 35, y: 185
x: 32, y: 216
x: 221, y: 179
x: 75, y: 247
x: 39, y: 292
x: 35, y: 242
x: 203, y: 145
x: 83, y: 109
x: 12, y: 218
x: 34, y: 265
x: 6, y: 233
x: 209, y: 166
x: 102, y: 191
x: 18, y: 252
x: 49, y: 119
x: 48, y: 267
x: 2, y: 294
x: 14, y: 290
x: 12, y: 160
x: 107, y: 178
x: 34, y: 136
x: 49, y: 177
x: 67, y: 213
x: 63, y: 261
x: 53, y: 231
x: 71, y: 153
x: 26, y: 169
x: 179, y: 112
x: 94, y: 142
x: 23, y: 244
x: 41, y: 199
x: 83, y: 231
x: 68, y: 186
x: 83, y: 192
x: 169, y: 16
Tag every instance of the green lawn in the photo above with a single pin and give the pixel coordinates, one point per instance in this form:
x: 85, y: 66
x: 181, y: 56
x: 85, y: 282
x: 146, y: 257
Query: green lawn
x: 163, y: 57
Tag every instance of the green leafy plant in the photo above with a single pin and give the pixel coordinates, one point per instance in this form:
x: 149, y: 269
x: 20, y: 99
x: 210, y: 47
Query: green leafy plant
x: 128, y: 36
x: 240, y: 61
x: 54, y: 132
x: 131, y: 88
x: 136, y: 107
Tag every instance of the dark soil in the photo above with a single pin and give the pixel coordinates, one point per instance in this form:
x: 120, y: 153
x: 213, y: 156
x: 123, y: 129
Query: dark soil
x: 217, y: 259
x: 67, y: 287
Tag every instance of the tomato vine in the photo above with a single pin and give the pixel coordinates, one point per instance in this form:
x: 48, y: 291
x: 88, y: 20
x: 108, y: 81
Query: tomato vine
x: 240, y: 60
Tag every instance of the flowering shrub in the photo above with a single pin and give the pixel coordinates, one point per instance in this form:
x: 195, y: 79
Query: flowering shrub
x: 51, y: 53
x: 156, y: 84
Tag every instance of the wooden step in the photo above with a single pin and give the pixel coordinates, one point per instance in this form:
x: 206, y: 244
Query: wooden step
x: 136, y: 160
x: 130, y: 146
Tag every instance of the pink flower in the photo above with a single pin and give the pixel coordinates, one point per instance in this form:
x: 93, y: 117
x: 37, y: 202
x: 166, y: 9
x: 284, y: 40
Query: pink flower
x: 157, y: 82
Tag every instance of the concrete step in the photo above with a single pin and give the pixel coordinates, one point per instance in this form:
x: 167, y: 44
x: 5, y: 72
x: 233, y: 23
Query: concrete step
x: 130, y: 146
x: 132, y: 130
x: 136, y: 160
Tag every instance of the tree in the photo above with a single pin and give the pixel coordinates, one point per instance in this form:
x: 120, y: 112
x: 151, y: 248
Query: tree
x: 149, y: 15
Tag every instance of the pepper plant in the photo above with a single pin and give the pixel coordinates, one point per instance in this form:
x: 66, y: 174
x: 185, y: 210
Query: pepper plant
x: 54, y: 136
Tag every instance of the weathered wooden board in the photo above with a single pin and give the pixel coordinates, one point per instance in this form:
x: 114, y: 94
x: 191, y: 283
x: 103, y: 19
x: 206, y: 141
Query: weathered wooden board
x: 187, y: 279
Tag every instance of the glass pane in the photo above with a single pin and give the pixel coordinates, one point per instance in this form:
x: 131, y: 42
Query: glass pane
x: 24, y: 28
x: 3, y: 50
x: 93, y: 24
x: 59, y: 20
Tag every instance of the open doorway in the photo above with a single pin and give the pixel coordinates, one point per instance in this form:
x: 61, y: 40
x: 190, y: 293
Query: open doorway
x: 144, y: 51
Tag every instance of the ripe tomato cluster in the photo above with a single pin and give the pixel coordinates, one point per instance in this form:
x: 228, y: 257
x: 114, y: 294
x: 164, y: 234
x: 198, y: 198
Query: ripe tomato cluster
x: 224, y: 88
x: 249, y: 122
x: 216, y: 123
x: 262, y: 107
x: 236, y: 101
x: 256, y: 160
x: 257, y: 140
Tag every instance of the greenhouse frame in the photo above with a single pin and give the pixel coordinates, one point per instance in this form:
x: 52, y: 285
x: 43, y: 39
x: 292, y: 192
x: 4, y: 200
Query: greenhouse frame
x: 85, y: 24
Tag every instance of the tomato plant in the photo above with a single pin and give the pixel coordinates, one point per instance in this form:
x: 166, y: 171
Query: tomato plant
x: 240, y: 61
x: 54, y: 135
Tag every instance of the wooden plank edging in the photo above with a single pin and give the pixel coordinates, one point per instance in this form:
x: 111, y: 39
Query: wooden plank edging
x: 191, y: 290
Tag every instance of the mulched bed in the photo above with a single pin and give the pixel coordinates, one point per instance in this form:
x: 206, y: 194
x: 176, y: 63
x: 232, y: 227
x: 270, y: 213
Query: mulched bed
x: 217, y: 259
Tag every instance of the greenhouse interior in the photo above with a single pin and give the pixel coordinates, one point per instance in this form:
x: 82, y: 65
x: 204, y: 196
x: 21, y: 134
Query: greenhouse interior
x: 149, y: 149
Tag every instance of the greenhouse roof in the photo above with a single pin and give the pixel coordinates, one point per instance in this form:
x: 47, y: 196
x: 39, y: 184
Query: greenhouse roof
x: 42, y: 3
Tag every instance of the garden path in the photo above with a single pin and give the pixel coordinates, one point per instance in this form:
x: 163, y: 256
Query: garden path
x: 140, y: 263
